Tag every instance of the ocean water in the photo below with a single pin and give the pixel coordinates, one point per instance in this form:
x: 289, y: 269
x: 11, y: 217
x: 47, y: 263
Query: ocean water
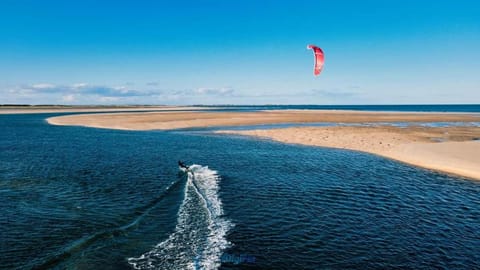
x: 85, y: 198
x: 456, y: 108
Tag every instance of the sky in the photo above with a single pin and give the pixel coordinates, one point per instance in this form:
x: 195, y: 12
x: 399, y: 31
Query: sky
x: 239, y: 52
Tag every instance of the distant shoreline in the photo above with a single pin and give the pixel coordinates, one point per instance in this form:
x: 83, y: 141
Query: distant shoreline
x: 410, y: 108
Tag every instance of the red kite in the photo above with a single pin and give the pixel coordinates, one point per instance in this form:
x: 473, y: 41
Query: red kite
x: 319, y: 59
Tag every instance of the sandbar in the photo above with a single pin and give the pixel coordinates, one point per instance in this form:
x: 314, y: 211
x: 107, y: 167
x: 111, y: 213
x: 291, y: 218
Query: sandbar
x: 452, y: 149
x: 177, y: 120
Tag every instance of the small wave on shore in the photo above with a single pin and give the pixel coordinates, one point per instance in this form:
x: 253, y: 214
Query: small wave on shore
x: 199, y: 238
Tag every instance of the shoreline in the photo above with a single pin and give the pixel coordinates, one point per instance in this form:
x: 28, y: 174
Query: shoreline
x: 452, y: 149
x: 458, y: 151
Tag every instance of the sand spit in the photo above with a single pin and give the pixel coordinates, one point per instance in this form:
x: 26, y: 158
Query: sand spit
x: 175, y: 120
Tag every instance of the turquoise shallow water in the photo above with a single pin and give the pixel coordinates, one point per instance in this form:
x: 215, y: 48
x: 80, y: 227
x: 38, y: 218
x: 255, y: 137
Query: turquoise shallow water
x: 83, y: 198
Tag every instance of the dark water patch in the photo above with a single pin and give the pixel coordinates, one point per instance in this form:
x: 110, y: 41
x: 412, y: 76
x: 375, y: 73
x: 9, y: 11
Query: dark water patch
x: 83, y: 243
x: 392, y: 216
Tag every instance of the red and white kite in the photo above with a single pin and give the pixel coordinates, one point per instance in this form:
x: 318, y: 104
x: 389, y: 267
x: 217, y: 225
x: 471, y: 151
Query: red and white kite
x: 319, y: 59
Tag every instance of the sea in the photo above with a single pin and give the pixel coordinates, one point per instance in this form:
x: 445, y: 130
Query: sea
x: 450, y: 108
x: 87, y: 198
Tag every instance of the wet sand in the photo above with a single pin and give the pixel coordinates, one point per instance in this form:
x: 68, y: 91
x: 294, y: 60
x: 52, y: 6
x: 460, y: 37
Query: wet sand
x: 453, y: 150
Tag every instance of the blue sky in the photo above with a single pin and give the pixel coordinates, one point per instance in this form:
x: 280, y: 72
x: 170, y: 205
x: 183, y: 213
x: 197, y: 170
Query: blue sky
x: 239, y: 52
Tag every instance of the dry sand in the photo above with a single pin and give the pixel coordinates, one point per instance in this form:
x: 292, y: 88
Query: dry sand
x: 448, y: 149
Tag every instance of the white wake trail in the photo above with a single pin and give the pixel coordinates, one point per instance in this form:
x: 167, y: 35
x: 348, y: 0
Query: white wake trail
x: 199, y: 238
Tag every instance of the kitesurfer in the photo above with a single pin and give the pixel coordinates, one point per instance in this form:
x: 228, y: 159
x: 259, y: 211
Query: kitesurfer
x: 182, y: 165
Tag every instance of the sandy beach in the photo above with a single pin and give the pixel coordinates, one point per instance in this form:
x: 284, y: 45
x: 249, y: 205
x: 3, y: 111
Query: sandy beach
x: 453, y: 149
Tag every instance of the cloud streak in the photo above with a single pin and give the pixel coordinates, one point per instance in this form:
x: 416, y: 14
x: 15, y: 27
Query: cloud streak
x: 205, y: 91
x: 79, y: 93
x: 334, y: 93
x: 84, y: 93
x: 90, y: 94
x: 81, y: 89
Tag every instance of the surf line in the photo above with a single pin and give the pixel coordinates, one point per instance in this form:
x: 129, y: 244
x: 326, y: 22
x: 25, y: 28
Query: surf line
x: 199, y: 237
x: 83, y: 242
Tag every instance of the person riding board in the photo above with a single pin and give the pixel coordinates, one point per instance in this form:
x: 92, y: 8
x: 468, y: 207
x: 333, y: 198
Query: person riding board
x: 185, y: 168
x: 182, y: 165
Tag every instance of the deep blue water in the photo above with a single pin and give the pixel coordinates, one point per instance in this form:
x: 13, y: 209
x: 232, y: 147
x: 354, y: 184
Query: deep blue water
x: 459, y: 108
x: 84, y: 198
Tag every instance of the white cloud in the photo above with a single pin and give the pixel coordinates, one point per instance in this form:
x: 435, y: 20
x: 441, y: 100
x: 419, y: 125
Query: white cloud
x: 79, y: 85
x: 68, y: 98
x: 224, y: 91
x: 82, y: 93
x: 108, y: 99
x: 77, y: 93
x: 42, y: 86
x: 81, y: 89
x: 334, y: 93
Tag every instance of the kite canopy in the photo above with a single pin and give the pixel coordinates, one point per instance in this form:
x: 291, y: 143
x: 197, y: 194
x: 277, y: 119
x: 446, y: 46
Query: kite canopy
x: 319, y: 59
